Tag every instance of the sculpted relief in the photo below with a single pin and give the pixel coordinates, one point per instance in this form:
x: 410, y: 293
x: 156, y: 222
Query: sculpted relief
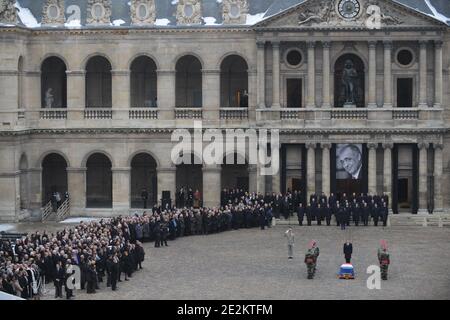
x: 189, y: 12
x: 352, y: 13
x: 8, y: 12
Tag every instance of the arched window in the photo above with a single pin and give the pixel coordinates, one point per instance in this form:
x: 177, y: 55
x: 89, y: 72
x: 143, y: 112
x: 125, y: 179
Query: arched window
x: 53, y: 83
x: 234, y: 82
x: 98, y: 83
x: 189, y: 82
x: 143, y: 83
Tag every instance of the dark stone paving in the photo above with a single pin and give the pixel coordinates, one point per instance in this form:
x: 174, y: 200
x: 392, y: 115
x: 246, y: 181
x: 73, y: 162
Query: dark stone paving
x: 253, y: 264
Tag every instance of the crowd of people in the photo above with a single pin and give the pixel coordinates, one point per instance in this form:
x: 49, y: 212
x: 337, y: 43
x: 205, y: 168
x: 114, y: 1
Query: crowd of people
x: 114, y: 247
x: 104, y: 248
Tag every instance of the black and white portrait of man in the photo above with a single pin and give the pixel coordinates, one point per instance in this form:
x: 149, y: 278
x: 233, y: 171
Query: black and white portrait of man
x: 349, y: 161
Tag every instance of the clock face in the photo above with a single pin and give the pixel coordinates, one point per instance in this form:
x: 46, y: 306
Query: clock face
x: 349, y: 9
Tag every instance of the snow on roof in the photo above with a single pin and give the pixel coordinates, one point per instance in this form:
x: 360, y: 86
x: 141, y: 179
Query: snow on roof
x: 30, y: 11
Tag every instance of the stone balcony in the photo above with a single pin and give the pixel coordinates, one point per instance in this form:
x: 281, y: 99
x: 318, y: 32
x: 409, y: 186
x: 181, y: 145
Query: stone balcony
x: 166, y: 118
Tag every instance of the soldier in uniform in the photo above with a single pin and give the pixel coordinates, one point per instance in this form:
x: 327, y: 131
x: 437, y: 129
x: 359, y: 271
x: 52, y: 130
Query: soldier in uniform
x: 311, y: 259
x: 365, y: 214
x: 327, y: 213
x: 384, y: 214
x: 309, y: 213
x: 383, y: 258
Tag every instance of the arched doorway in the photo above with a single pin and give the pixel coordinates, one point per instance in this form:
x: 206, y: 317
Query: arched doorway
x: 54, y: 176
x: 189, y: 177
x: 53, y: 83
x: 188, y: 82
x: 98, y: 83
x: 143, y: 176
x: 349, y: 81
x: 143, y: 83
x: 235, y: 175
x: 98, y: 181
x: 24, y: 186
x: 234, y: 82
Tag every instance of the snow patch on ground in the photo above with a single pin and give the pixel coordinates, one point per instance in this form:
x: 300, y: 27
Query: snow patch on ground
x: 78, y: 220
x: 6, y: 227
x: 73, y: 24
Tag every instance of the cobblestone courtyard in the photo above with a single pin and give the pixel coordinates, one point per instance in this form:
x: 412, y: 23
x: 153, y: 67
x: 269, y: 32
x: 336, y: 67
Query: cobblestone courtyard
x: 253, y: 264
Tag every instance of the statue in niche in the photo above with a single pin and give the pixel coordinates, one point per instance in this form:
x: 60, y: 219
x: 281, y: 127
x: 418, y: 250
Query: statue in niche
x: 49, y: 99
x: 349, y: 80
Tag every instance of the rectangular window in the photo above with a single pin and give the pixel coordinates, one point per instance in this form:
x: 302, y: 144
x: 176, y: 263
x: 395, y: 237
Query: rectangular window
x: 294, y: 93
x: 404, y: 92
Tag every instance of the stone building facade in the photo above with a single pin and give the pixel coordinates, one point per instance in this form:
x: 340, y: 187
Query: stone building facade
x: 90, y: 109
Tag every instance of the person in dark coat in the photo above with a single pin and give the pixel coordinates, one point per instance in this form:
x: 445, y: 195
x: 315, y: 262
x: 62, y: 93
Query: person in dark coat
x: 365, y: 214
x: 318, y: 214
x: 262, y: 218
x: 300, y: 213
x: 356, y: 214
x: 144, y: 197
x: 375, y: 214
x: 309, y: 214
x: 91, y: 278
x: 58, y: 279
x: 348, y: 250
x: 384, y: 214
x: 327, y: 213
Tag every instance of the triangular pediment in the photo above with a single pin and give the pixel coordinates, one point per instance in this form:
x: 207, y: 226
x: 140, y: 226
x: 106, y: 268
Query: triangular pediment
x: 350, y: 14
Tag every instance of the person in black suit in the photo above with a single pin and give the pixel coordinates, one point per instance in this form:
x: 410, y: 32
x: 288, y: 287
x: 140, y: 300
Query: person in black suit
x: 59, y: 278
x: 327, y: 214
x: 348, y: 250
x: 309, y: 214
x: 300, y: 213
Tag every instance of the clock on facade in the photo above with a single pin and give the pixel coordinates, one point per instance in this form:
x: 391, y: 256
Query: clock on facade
x: 349, y: 9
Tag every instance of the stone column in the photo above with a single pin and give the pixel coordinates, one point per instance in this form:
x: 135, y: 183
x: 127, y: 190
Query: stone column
x: 261, y: 180
x: 212, y: 177
x: 387, y: 74
x: 32, y: 94
x: 423, y: 173
x: 35, y: 185
x: 76, y: 94
x: 423, y: 74
x: 120, y: 94
x: 9, y: 196
x: 438, y: 171
x: 372, y: 168
x: 261, y: 74
x: 211, y: 94
x: 372, y: 74
x: 166, y: 94
x: 167, y: 182
x: 276, y: 75
x: 311, y: 98
x: 326, y: 173
x: 76, y: 183
x: 326, y: 101
x: 121, y: 190
x: 387, y: 170
x: 253, y: 178
x: 438, y: 79
x: 311, y: 169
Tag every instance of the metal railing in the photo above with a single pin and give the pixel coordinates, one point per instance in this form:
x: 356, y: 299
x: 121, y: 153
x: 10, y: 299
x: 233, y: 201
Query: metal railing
x: 63, y: 210
x: 47, y: 211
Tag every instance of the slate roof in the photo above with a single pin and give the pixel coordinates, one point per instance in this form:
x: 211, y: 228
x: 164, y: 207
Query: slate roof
x: 31, y: 11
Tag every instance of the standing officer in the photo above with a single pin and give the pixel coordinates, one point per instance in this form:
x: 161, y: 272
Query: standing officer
x: 348, y: 250
x: 365, y: 214
x: 375, y: 214
x: 356, y: 214
x: 318, y: 214
x: 384, y: 214
x: 300, y: 213
x: 290, y: 242
x: 383, y: 258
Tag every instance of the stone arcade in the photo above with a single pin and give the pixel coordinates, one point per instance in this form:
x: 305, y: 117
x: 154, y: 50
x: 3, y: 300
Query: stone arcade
x: 91, y: 90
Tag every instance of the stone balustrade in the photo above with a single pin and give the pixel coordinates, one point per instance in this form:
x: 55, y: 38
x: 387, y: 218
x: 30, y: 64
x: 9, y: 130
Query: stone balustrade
x: 233, y: 113
x: 98, y: 113
x: 143, y: 114
x: 53, y: 114
x: 188, y: 113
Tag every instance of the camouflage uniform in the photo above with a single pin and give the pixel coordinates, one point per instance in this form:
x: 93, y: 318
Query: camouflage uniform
x: 311, y: 260
x: 383, y: 258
